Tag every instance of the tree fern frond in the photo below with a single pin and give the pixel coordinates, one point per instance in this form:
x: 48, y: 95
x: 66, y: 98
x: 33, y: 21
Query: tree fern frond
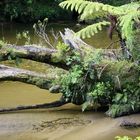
x: 129, y: 7
x: 73, y: 4
x: 77, y: 6
x: 83, y: 6
x: 126, y: 17
x: 127, y: 23
x: 91, y: 29
x: 90, y: 8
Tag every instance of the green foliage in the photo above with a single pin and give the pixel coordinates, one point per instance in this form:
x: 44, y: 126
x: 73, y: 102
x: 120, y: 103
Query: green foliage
x: 2, y: 43
x: 127, y: 14
x: 126, y: 138
x: 81, y: 85
x: 89, y: 9
x: 62, y: 50
x: 13, y: 56
x: 92, y: 29
x: 32, y: 10
x: 128, y: 21
x: 123, y: 18
x: 24, y: 35
x: 71, y: 85
x: 100, y: 94
x: 112, y: 84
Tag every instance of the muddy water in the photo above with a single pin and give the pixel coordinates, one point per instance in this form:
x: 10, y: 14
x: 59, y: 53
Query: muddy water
x: 63, y: 123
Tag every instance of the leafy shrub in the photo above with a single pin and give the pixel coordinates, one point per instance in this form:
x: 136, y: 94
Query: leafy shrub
x: 106, y: 85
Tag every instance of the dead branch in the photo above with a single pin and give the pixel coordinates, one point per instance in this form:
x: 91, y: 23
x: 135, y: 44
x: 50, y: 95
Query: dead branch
x: 38, y: 106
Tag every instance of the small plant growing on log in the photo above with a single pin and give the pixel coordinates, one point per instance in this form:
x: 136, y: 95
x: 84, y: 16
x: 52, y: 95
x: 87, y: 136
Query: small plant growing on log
x: 24, y: 35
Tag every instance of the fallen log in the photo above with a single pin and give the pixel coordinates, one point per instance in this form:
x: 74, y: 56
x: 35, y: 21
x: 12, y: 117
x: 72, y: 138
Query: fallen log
x: 14, y: 74
x: 40, y: 80
x: 31, y: 52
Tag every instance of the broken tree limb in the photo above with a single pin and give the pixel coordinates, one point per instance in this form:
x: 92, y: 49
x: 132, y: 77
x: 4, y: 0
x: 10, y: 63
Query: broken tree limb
x: 73, y: 41
x: 14, y: 74
x: 38, y: 106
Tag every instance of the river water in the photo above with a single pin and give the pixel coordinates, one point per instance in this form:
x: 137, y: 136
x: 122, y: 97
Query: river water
x: 9, y: 32
x: 65, y: 123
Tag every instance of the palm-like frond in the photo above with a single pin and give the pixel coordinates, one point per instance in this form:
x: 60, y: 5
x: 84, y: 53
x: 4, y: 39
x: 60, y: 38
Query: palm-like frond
x: 92, y: 29
x: 87, y: 8
x: 127, y: 23
x: 133, y: 6
x: 126, y: 15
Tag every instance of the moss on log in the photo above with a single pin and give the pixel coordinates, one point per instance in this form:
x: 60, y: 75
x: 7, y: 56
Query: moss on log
x: 31, y: 52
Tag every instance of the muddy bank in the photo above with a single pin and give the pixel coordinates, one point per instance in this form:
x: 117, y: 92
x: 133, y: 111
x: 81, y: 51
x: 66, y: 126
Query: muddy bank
x: 65, y: 123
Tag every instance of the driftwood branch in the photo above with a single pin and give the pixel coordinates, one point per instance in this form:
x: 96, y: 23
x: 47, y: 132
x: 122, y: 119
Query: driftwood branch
x: 41, y: 30
x: 38, y: 106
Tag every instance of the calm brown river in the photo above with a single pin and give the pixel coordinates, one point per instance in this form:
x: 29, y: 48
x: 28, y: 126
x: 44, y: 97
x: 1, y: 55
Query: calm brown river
x: 63, y: 123
x: 9, y: 31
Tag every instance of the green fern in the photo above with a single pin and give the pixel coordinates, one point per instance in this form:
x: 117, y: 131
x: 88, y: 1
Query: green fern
x: 91, y: 29
x: 127, y: 17
x: 126, y: 14
x: 127, y: 22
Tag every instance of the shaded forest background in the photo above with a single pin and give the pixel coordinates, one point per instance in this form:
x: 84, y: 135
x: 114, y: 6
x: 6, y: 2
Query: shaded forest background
x: 32, y: 10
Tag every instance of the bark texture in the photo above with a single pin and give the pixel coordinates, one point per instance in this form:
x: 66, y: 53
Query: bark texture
x: 32, y: 52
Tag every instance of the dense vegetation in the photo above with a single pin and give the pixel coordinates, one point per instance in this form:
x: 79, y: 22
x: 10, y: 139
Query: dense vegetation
x: 33, y: 10
x: 94, y: 81
x: 127, y: 138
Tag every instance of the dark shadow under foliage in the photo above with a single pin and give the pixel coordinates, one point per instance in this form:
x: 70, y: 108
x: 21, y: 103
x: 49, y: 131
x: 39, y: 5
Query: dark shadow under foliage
x: 32, y: 10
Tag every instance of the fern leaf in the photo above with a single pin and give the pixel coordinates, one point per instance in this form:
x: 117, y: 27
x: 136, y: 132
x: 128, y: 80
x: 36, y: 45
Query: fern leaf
x: 88, y: 8
x: 127, y: 24
x: 129, y: 7
x: 92, y: 29
x: 82, y: 7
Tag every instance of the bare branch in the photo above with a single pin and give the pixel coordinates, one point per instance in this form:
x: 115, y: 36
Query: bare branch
x: 38, y: 106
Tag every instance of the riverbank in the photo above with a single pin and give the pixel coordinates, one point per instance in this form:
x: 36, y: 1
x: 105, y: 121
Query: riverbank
x: 65, y: 123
